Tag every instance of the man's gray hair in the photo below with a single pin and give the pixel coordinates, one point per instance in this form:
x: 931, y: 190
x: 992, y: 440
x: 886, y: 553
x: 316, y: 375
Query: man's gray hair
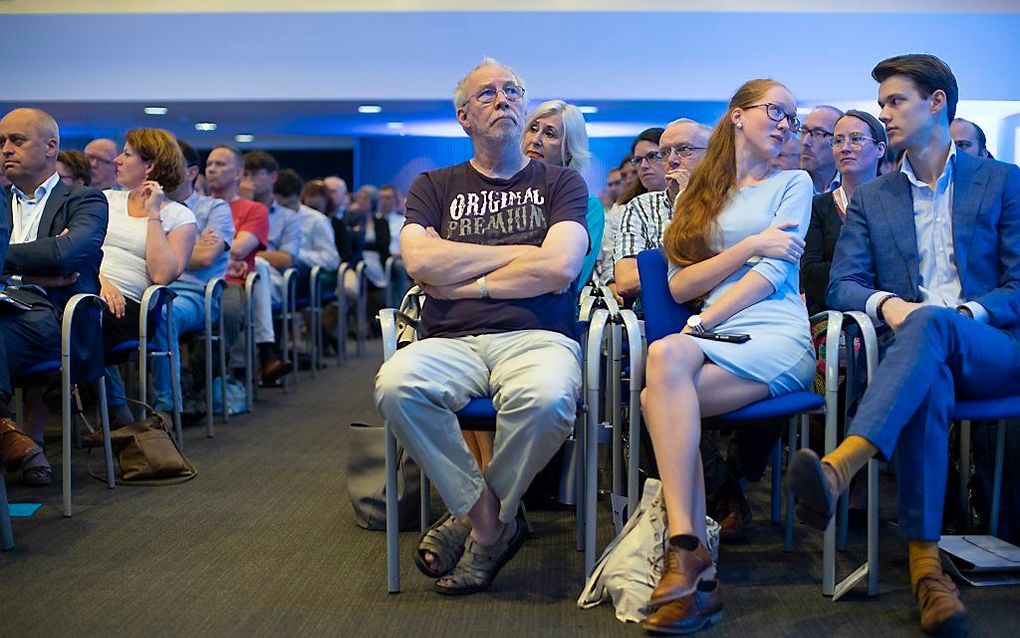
x: 838, y: 112
x: 575, y: 134
x: 704, y: 129
x: 460, y: 93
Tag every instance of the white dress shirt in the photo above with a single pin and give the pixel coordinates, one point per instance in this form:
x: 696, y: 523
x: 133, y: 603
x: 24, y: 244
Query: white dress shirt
x: 933, y: 221
x: 27, y: 212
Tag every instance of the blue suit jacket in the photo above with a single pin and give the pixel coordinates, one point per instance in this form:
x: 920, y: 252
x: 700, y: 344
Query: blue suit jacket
x: 84, y: 213
x: 877, y: 249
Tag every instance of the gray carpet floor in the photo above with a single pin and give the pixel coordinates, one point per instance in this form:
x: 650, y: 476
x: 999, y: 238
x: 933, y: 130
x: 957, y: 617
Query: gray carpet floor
x: 263, y: 543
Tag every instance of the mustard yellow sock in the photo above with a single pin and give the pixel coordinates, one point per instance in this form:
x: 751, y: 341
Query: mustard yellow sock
x: 924, y: 560
x: 849, y: 457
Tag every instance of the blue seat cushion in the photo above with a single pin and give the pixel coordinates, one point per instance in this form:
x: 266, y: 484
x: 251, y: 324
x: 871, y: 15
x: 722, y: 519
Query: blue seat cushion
x: 122, y: 347
x: 277, y: 306
x: 329, y: 296
x: 784, y: 405
x: 986, y: 409
x: 39, y: 369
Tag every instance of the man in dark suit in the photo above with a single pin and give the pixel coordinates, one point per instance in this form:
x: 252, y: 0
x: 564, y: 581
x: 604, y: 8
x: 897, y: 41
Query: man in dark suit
x: 933, y: 251
x: 54, y: 252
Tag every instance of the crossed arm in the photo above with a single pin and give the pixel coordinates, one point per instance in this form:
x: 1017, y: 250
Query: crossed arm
x: 448, y: 270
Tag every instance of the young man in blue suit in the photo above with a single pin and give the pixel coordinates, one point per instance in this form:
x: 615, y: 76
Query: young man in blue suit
x: 54, y: 252
x: 933, y: 252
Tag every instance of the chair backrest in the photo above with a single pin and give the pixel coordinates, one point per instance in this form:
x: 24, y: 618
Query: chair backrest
x: 663, y: 315
x: 595, y: 220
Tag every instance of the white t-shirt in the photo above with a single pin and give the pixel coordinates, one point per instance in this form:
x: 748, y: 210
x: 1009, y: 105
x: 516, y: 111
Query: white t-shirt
x: 124, y: 246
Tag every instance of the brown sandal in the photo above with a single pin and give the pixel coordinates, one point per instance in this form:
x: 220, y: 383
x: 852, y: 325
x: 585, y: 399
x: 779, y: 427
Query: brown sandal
x: 479, y: 565
x: 445, y: 540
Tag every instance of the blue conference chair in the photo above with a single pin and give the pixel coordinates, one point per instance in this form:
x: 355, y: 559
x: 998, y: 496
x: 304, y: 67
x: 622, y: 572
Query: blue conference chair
x: 286, y: 310
x: 480, y: 414
x: 664, y: 316
x: 81, y: 361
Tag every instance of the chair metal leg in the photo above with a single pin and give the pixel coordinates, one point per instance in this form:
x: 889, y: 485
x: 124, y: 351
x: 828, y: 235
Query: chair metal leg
x: 6, y: 532
x: 615, y: 408
x: 965, y: 470
x: 1000, y: 449
x: 872, y: 527
x: 392, y: 519
x: 788, y: 532
x: 777, y: 461
x: 104, y: 420
x: 222, y: 343
x: 843, y: 521
x: 208, y: 339
x: 425, y: 503
x: 65, y: 406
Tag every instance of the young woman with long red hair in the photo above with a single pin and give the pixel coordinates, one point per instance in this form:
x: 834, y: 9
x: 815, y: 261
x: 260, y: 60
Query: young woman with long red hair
x: 734, y: 245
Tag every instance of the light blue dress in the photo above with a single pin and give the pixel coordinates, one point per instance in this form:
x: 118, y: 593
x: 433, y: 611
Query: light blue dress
x: 780, y: 353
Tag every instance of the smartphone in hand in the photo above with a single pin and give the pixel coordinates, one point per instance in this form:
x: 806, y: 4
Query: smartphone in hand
x: 719, y: 336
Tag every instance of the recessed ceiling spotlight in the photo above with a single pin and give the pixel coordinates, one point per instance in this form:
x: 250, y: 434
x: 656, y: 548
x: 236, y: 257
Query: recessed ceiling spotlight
x: 588, y: 109
x: 205, y: 126
x: 244, y: 138
x: 155, y: 110
x: 394, y: 125
x: 369, y: 108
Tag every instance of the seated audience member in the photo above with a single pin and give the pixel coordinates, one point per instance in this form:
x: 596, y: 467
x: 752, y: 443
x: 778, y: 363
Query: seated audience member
x: 101, y: 154
x: 555, y: 133
x: 500, y: 320
x: 260, y: 175
x: 930, y: 251
x: 816, y: 148
x: 223, y: 171
x: 214, y: 229
x: 735, y: 208
x: 613, y: 214
x: 663, y: 171
x: 391, y: 208
x: 788, y: 158
x: 73, y: 168
x: 318, y: 246
x: 859, y: 145
x: 149, y: 240
x: 613, y: 189
x: 338, y: 197
x: 54, y: 244
x: 372, y: 234
x: 891, y: 161
x: 969, y: 138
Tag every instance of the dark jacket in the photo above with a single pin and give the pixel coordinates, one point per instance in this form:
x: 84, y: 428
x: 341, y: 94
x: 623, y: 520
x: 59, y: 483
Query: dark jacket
x: 820, y: 241
x: 84, y: 213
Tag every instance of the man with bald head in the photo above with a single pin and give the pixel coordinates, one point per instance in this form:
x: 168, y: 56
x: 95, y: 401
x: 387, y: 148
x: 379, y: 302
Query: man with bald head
x: 816, y: 155
x: 681, y: 147
x: 101, y: 153
x: 56, y: 235
x: 969, y: 138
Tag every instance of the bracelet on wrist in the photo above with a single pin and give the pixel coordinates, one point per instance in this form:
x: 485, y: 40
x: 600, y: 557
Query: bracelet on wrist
x: 881, y: 303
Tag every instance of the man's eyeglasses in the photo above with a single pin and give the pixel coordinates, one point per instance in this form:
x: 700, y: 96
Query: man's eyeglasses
x: 512, y: 92
x: 683, y: 150
x: 856, y: 141
x: 652, y: 157
x: 101, y: 160
x: 818, y: 134
x: 777, y: 113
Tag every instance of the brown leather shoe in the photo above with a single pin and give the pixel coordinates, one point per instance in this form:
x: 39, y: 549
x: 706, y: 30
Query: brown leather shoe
x: 275, y: 370
x: 688, y: 615
x: 15, y: 447
x: 734, y: 518
x: 942, y: 611
x: 682, y: 572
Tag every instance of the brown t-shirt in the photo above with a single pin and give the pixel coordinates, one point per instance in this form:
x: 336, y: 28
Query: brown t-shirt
x: 464, y: 205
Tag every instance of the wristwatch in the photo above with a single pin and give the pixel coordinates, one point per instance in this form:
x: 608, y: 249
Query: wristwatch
x: 695, y: 324
x: 483, y: 287
x: 14, y: 281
